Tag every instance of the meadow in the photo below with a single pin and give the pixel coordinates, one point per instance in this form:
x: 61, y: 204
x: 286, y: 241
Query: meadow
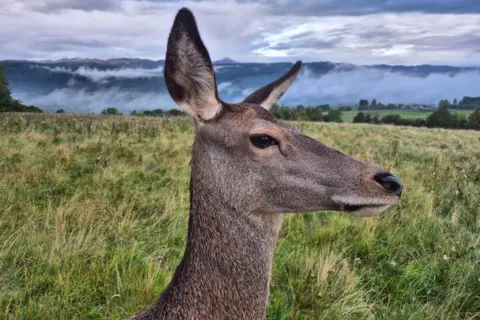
x: 408, y: 114
x: 94, y: 211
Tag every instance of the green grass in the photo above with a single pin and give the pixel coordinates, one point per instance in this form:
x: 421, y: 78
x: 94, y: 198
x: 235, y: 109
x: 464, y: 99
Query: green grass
x: 93, y: 218
x: 409, y: 114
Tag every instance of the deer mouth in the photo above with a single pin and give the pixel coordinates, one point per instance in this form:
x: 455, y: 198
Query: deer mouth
x: 362, y: 206
x: 367, y: 210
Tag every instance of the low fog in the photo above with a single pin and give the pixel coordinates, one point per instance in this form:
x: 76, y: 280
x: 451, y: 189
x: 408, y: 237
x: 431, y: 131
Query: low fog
x: 97, y: 75
x: 348, y: 87
x: 336, y: 87
x: 81, y: 101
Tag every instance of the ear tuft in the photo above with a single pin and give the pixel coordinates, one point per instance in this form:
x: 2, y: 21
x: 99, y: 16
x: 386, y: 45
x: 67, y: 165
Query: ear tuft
x: 188, y: 70
x: 268, y: 95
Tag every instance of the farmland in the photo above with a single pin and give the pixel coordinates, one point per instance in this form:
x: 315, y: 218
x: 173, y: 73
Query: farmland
x: 94, y: 211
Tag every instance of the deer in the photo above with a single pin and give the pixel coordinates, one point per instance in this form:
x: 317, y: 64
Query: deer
x: 248, y: 170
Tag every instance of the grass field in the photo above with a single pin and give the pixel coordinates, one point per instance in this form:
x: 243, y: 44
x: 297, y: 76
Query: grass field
x: 93, y: 218
x: 409, y: 114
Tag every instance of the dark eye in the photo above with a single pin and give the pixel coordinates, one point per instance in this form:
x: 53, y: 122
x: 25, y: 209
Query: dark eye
x: 263, y: 141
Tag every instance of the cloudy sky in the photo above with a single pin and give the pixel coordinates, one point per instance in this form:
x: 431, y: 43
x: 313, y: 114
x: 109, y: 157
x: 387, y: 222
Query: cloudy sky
x: 353, y: 31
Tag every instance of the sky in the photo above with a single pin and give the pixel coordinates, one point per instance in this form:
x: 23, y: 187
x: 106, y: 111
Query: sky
x: 365, y: 32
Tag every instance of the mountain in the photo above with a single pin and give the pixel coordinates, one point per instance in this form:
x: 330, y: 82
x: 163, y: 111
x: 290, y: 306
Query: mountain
x: 92, y: 62
x: 90, y: 85
x: 225, y: 61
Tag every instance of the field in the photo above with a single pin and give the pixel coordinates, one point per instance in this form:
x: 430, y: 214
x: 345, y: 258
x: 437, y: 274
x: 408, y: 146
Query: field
x: 93, y: 218
x: 409, y: 114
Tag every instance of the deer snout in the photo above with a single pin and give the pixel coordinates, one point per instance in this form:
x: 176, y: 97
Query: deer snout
x: 390, y: 183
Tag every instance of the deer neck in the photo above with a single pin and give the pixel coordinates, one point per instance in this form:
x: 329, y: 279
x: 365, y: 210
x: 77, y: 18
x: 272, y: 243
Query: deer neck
x: 225, y: 271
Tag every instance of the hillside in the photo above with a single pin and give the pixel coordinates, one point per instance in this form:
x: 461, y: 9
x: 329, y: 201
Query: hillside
x: 90, y: 85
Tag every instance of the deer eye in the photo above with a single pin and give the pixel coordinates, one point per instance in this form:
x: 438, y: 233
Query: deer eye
x: 263, y: 141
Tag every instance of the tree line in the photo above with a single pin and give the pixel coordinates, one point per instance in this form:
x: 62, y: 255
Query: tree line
x: 440, y: 118
x: 299, y: 113
x: 466, y: 103
x: 310, y: 113
x: 156, y: 113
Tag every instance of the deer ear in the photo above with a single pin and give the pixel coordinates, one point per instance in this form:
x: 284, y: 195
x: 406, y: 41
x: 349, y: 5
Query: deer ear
x: 188, y: 70
x: 268, y: 95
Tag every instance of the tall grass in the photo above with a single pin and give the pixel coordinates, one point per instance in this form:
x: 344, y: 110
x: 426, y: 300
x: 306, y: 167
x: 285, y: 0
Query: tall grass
x: 94, y: 209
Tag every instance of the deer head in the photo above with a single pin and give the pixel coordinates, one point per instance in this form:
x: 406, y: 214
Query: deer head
x: 255, y: 163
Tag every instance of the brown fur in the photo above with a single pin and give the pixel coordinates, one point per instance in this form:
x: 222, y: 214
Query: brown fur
x: 238, y: 191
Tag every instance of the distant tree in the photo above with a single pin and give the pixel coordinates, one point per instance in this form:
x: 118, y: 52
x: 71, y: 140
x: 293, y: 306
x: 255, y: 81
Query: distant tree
x: 359, y: 118
x: 150, y: 113
x: 289, y: 113
x: 368, y: 118
x: 345, y: 108
x: 441, y: 118
x: 455, y: 102
x: 325, y: 107
x: 60, y: 111
x: 277, y: 111
x: 474, y: 120
x: 444, y: 103
x: 300, y: 107
x: 469, y: 103
x: 302, y: 115
x: 363, y: 104
x: 111, y: 111
x: 417, y: 122
x: 334, y: 115
x: 5, y: 95
x: 314, y: 113
x: 374, y: 104
x: 175, y: 112
x: 7, y: 103
x: 460, y: 121
x: 392, y: 119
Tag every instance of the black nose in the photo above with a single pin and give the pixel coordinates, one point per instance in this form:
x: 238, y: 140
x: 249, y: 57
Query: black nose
x: 390, y: 182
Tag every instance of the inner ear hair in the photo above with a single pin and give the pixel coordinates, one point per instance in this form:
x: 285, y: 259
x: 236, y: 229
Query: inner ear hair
x: 188, y: 71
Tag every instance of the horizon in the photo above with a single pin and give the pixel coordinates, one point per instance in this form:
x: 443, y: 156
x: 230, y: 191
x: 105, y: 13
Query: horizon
x: 79, y: 59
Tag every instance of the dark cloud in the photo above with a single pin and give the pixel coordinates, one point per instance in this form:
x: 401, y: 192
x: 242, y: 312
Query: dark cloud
x: 84, y: 5
x: 313, y: 40
x: 60, y: 44
x: 305, y: 42
x: 378, y: 32
x: 443, y: 42
x: 363, y: 7
x: 303, y: 7
x: 302, y: 35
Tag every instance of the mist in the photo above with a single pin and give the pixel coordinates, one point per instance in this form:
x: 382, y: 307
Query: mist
x: 337, y: 87
x: 82, y: 101
x: 98, y: 75
x: 348, y: 87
